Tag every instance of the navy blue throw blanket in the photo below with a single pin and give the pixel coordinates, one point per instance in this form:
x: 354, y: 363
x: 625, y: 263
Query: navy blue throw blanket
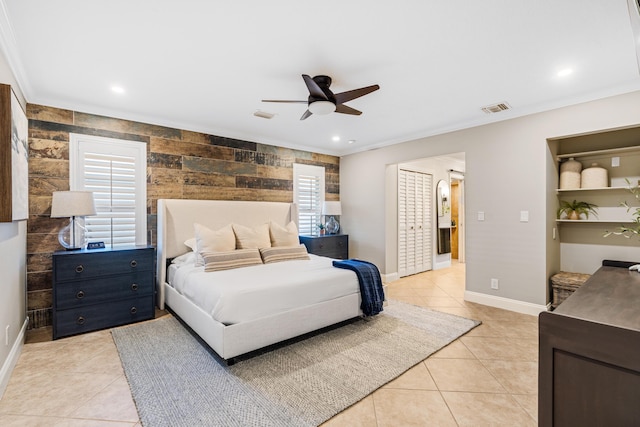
x: 370, y: 284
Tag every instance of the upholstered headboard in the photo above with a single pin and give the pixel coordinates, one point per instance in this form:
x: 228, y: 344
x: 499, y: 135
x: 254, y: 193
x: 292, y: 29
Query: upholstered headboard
x: 176, y: 218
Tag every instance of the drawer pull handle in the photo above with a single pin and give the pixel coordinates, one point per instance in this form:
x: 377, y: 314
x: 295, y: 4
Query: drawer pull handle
x: 79, y: 269
x: 80, y: 320
x: 133, y: 310
x: 134, y: 286
x: 134, y: 263
x: 321, y: 246
x: 80, y: 294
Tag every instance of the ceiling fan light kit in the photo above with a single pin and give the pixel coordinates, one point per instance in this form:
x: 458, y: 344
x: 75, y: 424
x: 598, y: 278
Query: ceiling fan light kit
x: 322, y: 101
x: 322, y: 107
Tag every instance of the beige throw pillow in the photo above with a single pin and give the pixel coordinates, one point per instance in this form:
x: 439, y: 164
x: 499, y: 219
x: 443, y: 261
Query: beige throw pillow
x: 284, y: 253
x: 216, y: 261
x: 252, y: 238
x: 208, y: 240
x: 284, y: 236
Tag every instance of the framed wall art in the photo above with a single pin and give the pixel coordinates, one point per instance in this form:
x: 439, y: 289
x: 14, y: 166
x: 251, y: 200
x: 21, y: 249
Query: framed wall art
x: 14, y: 158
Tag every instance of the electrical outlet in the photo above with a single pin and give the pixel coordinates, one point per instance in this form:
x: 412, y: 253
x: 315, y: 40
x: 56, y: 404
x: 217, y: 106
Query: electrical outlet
x: 494, y: 283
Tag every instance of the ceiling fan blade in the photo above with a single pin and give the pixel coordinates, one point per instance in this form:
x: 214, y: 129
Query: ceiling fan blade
x: 313, y: 87
x: 356, y: 93
x: 279, y: 100
x: 306, y: 114
x: 347, y: 110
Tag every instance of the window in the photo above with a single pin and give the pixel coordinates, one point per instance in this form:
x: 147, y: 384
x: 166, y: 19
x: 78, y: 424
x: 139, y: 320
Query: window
x: 308, y: 194
x: 116, y: 172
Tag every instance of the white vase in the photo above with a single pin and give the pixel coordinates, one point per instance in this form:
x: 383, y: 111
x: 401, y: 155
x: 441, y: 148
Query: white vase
x: 570, y: 174
x: 594, y: 177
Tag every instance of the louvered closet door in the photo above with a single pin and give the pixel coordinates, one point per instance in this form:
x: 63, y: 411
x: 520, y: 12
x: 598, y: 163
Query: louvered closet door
x: 402, y: 223
x: 425, y: 226
x: 414, y: 219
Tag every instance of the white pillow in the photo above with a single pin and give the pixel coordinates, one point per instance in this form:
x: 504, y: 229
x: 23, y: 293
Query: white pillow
x: 208, y: 240
x: 188, y: 258
x: 252, y: 238
x: 191, y: 244
x: 284, y: 236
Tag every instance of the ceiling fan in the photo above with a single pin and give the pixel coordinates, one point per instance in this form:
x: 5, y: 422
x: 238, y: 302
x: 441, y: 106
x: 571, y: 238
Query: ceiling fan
x: 323, y: 101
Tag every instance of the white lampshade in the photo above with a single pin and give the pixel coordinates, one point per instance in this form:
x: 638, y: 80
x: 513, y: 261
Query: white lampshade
x: 322, y: 107
x: 72, y: 203
x: 331, y: 208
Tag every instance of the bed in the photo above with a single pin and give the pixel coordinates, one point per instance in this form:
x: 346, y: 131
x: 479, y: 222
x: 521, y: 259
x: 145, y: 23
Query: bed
x: 233, y: 330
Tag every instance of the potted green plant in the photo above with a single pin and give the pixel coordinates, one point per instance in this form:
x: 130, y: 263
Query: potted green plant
x: 573, y: 210
x: 632, y: 230
x: 321, y: 228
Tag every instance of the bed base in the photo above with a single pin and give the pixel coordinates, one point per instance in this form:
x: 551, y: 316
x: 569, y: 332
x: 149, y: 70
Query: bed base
x: 230, y: 341
x: 175, y: 225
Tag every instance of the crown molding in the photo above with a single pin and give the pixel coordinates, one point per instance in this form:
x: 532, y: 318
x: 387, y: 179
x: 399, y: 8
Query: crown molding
x: 634, y: 15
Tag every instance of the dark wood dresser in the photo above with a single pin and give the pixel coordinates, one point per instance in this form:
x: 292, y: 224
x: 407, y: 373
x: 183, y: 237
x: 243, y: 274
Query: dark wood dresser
x: 589, y: 367
x: 329, y: 245
x: 96, y: 289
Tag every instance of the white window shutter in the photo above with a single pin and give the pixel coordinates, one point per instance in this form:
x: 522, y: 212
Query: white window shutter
x: 308, y: 193
x: 115, y: 171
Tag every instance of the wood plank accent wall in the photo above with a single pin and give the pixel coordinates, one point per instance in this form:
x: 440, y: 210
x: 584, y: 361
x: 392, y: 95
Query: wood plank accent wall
x: 180, y: 165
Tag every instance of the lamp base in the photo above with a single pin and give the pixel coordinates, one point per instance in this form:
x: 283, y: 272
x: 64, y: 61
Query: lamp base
x: 73, y: 236
x: 332, y: 226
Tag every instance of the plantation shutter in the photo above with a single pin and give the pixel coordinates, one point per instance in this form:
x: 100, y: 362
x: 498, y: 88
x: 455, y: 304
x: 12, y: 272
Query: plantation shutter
x: 308, y: 191
x: 115, y: 171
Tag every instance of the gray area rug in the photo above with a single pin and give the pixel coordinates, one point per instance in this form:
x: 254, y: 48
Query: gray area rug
x: 176, y: 380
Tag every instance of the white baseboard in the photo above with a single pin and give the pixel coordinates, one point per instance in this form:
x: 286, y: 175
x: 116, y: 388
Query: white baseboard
x: 12, y: 359
x: 391, y: 277
x: 442, y: 264
x: 505, y: 303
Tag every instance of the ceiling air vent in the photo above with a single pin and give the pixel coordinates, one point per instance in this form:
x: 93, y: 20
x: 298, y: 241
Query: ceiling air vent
x: 496, y: 108
x: 264, y: 114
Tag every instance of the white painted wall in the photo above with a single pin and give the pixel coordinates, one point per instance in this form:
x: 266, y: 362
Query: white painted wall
x: 507, y: 169
x: 13, y: 250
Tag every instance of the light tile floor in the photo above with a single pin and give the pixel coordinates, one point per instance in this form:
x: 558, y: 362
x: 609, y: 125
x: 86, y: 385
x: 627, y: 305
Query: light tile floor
x: 486, y: 378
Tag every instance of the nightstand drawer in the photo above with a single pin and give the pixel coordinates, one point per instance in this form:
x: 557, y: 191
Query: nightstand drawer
x: 85, y: 292
x: 90, y: 318
x: 88, y: 265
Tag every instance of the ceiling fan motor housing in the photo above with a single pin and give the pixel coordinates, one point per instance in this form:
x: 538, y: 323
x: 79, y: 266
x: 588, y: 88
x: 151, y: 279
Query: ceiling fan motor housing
x: 323, y: 82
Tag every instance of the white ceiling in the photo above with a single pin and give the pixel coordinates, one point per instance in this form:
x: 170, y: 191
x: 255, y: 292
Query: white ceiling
x: 206, y: 65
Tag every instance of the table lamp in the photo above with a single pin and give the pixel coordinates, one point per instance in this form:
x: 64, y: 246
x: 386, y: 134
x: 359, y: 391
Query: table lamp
x: 72, y: 204
x: 331, y: 209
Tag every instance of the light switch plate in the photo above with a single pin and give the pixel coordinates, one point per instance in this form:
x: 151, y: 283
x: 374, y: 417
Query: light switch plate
x: 615, y: 162
x: 524, y: 216
x: 480, y: 216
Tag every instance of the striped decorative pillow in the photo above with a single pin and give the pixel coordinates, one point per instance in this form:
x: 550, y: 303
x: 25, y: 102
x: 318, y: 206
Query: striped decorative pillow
x: 216, y: 261
x: 283, y: 253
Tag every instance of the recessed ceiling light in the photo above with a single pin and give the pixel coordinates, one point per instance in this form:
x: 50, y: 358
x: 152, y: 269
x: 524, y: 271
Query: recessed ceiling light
x: 565, y: 72
x: 335, y: 138
x: 117, y: 89
x: 351, y: 141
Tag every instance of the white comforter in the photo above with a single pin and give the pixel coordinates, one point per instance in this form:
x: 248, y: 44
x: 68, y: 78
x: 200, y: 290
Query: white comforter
x: 250, y: 293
